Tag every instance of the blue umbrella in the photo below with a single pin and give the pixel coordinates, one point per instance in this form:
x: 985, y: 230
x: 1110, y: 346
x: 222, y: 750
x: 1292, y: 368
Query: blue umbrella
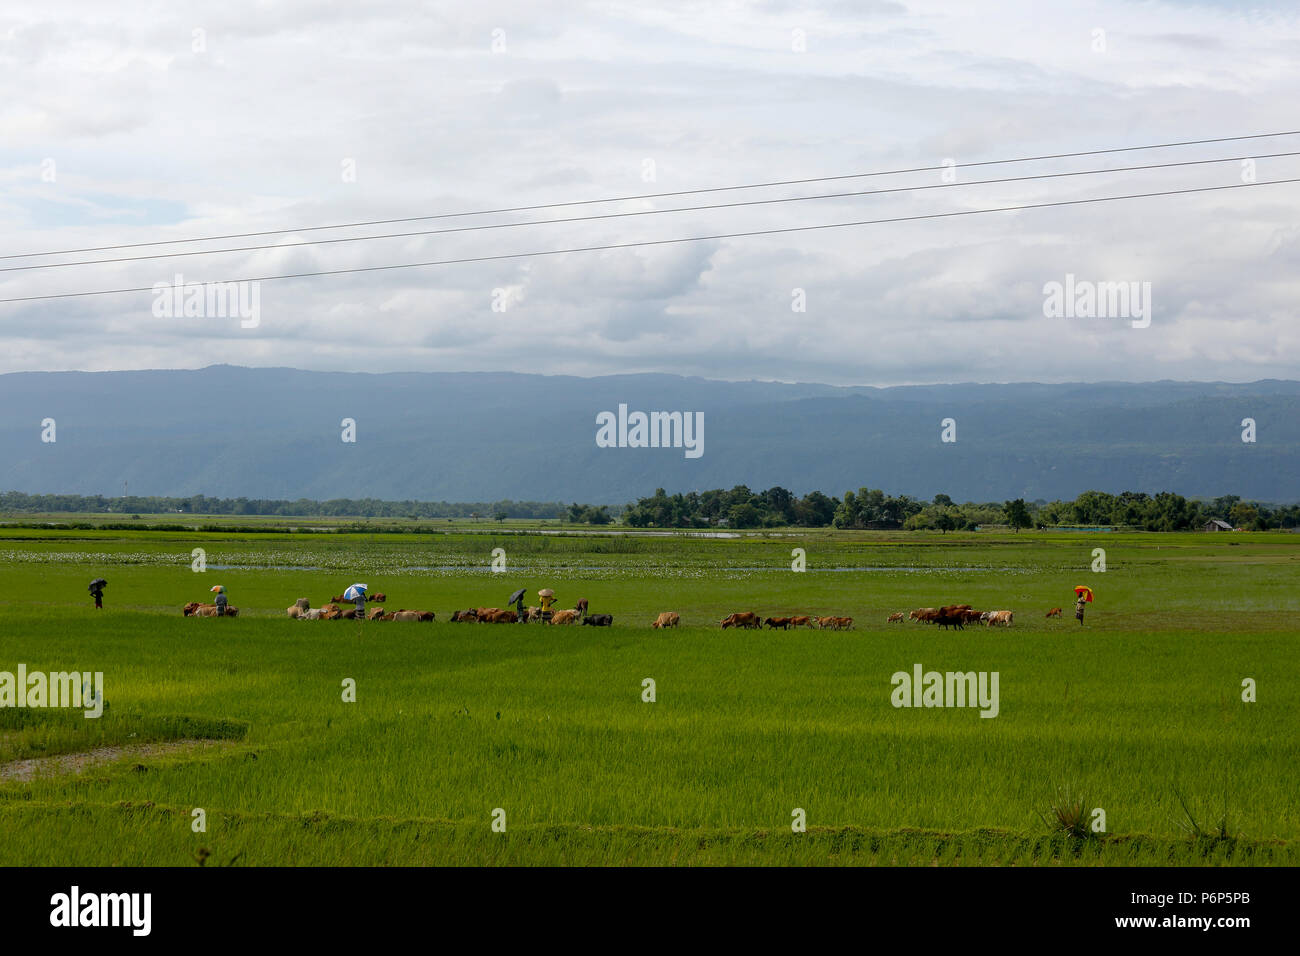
x: 354, y: 592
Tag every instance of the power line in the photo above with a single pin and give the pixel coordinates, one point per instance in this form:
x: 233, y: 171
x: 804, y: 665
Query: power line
x: 640, y: 212
x: 665, y: 242
x: 683, y: 192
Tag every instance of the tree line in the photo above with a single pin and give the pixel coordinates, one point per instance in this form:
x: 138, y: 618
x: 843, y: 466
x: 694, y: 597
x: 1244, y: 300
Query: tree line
x: 739, y: 507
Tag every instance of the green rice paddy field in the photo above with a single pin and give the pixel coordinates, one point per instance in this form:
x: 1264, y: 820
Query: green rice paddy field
x: 1138, y: 713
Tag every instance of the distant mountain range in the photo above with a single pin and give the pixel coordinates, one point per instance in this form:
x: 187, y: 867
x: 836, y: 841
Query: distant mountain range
x: 276, y: 433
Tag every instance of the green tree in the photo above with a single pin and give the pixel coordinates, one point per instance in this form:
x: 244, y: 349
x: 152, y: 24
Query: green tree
x: 1243, y: 515
x: 744, y: 516
x: 1018, y: 514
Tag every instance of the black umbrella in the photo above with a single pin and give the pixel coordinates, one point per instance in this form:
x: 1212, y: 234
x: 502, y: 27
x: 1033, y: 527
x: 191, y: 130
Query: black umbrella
x: 516, y: 596
x: 98, y: 582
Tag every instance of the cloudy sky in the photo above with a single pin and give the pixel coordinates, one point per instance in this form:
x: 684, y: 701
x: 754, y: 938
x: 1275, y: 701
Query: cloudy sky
x: 126, y: 123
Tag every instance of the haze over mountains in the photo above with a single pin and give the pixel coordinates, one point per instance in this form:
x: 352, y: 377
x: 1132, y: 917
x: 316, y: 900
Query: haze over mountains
x: 228, y: 431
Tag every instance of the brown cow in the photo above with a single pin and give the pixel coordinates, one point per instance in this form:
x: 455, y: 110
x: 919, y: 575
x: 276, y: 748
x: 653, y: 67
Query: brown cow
x: 774, y: 622
x: 330, y: 614
x: 741, y: 619
x: 374, y: 614
x: 800, y: 621
x: 405, y: 615
x: 895, y: 618
x: 667, y: 619
x: 1054, y: 612
x: 379, y: 598
x: 568, y: 616
x: 464, y: 616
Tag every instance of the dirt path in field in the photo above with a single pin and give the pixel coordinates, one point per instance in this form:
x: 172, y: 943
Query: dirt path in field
x: 25, y: 770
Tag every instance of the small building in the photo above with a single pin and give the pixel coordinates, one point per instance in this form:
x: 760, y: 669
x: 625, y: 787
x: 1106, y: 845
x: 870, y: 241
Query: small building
x: 1214, y: 524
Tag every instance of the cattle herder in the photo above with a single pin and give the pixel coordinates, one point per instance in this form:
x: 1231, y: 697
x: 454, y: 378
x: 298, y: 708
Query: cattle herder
x: 1078, y: 607
x: 221, y: 601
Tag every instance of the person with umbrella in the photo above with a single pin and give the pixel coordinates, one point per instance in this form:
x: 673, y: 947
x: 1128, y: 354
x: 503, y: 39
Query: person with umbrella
x: 1085, y: 595
x: 517, y: 599
x: 221, y: 601
x: 357, y: 594
x: 97, y: 592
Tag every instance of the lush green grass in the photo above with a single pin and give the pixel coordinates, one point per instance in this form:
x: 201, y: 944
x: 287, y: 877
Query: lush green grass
x: 1140, y: 710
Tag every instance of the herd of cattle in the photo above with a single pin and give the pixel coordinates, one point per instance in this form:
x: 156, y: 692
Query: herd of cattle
x: 949, y: 616
x: 303, y: 611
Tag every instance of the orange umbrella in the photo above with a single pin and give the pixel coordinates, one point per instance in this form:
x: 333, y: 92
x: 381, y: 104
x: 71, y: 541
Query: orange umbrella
x: 1085, y: 591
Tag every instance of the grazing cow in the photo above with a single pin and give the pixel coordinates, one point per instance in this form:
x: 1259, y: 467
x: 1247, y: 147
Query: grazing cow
x: 599, y: 620
x: 774, y: 622
x: 895, y: 618
x: 330, y: 614
x: 464, y: 616
x: 741, y: 619
x: 379, y: 598
x: 567, y: 616
x: 581, y: 606
x: 800, y: 621
x: 426, y: 615
x: 484, y: 613
x: 405, y: 615
x: 999, y: 619
x: 970, y: 617
x: 834, y: 623
x: 667, y: 619
x: 338, y: 599
x: 1054, y: 612
x: 926, y: 615
x: 374, y: 614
